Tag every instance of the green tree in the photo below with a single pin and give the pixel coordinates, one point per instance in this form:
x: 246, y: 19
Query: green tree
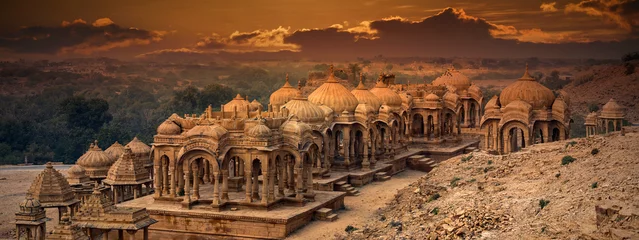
x: 83, y: 113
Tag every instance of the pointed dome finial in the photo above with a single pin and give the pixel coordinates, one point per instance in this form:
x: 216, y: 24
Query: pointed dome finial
x: 286, y: 77
x: 527, y: 75
x: 330, y: 70
x: 361, y: 82
x: 299, y: 84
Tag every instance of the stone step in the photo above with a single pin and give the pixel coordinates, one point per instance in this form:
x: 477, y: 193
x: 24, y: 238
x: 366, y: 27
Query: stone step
x: 348, y: 188
x: 332, y: 217
x: 384, y: 178
x: 323, y: 213
x: 326, y: 175
x: 341, y: 183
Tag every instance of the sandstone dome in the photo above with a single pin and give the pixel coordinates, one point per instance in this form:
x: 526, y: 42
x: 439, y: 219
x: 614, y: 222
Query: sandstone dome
x: 363, y: 95
x: 95, y: 161
x: 238, y: 102
x: 211, y: 131
x: 260, y: 131
x: 76, y: 171
x: 31, y: 205
x: 169, y: 127
x: 591, y: 119
x: 387, y: 95
x: 612, y: 110
x: 138, y: 147
x: 334, y: 95
x: 453, y: 78
x: 284, y: 94
x: 115, y: 150
x: 431, y: 98
x: 305, y: 110
x: 294, y: 127
x: 528, y: 90
x: 518, y: 106
x: 255, y: 105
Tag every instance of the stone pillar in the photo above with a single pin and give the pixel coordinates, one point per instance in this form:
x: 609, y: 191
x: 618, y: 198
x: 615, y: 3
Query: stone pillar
x: 158, y: 181
x: 207, y: 171
x: 265, y: 181
x: 136, y: 191
x: 291, y: 175
x: 309, y: 183
x: 115, y: 194
x: 249, y: 185
x: 187, y: 186
x: 225, y: 184
x: 327, y: 152
x: 120, y: 234
x: 173, y: 191
x: 366, y: 163
x: 216, y: 188
x: 271, y: 182
x: 282, y: 177
x: 346, y: 143
x: 196, y: 181
x: 146, y: 234
x: 298, y: 182
x: 256, y: 185
x: 131, y: 234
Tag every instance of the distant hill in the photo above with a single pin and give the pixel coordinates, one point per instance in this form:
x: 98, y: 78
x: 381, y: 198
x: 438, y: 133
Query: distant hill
x: 596, y: 85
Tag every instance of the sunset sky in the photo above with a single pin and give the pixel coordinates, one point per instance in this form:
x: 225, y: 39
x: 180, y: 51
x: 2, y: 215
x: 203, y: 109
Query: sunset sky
x: 318, y: 29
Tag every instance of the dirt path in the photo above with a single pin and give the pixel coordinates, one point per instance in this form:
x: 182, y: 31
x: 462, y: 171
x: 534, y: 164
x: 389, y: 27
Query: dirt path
x: 360, y: 208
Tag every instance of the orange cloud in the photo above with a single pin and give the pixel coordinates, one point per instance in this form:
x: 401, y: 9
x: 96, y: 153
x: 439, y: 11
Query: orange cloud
x: 624, y: 13
x: 259, y: 40
x: 548, y: 7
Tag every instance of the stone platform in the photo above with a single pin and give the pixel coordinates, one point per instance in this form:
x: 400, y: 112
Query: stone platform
x: 175, y: 222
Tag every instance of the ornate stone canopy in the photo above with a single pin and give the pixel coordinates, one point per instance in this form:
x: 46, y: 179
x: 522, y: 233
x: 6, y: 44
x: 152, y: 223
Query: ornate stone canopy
x: 51, y: 189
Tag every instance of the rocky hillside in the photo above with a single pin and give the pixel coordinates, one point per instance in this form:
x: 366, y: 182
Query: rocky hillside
x: 602, y: 82
x: 537, y: 193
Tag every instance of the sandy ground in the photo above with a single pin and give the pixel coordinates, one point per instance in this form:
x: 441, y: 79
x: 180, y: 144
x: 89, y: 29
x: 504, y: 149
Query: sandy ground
x: 360, y: 208
x: 13, y: 190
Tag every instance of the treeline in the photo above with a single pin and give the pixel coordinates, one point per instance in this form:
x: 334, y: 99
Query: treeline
x: 57, y: 122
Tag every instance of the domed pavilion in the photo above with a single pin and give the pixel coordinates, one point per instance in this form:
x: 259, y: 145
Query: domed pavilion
x: 525, y: 113
x: 31, y: 220
x: 127, y: 177
x: 52, y: 190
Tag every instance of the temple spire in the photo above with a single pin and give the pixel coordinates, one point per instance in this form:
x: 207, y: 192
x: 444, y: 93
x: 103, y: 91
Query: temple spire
x: 331, y: 75
x: 361, y: 82
x: 527, y: 75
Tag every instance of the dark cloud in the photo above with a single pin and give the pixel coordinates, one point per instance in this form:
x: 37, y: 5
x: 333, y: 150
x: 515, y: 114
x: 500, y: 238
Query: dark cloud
x: 260, y: 40
x: 77, y: 37
x: 449, y: 33
x: 625, y: 13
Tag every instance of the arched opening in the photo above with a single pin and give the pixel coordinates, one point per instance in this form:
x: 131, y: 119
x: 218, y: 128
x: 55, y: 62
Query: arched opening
x: 339, y: 144
x: 418, y: 125
x: 256, y: 171
x: 611, y: 126
x: 490, y: 138
x: 430, y: 127
x: 359, y: 144
x: 471, y: 117
x: 517, y: 139
x: 555, y: 134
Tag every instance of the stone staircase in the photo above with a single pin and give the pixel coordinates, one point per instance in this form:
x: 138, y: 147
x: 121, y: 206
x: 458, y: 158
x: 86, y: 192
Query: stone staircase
x: 421, y: 163
x: 381, y: 176
x: 343, y: 186
x: 325, y: 214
